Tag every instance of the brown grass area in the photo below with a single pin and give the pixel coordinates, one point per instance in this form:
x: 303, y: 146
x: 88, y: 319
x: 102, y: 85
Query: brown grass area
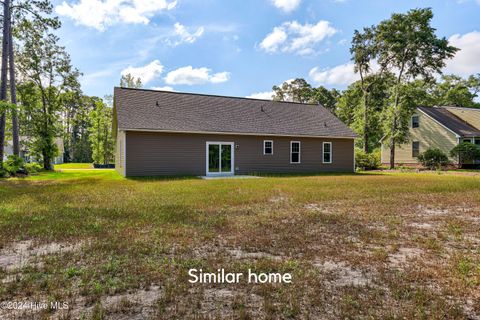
x: 395, y: 245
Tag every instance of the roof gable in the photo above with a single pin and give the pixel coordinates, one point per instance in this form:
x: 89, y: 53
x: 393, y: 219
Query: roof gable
x: 139, y: 109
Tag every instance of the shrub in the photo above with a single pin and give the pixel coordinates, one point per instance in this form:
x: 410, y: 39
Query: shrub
x: 433, y: 158
x: 13, y: 164
x: 465, y: 152
x: 367, y: 161
x: 33, y: 167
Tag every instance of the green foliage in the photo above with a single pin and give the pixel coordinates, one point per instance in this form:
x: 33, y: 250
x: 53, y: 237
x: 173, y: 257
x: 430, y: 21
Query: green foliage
x: 32, y: 167
x: 129, y: 81
x: 101, y: 139
x: 465, y: 152
x: 13, y: 164
x: 433, y: 158
x: 299, y: 90
x: 367, y: 161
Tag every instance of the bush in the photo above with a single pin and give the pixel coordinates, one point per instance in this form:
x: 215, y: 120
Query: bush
x: 433, y: 159
x: 13, y: 164
x: 367, y: 161
x: 465, y: 152
x: 33, y: 167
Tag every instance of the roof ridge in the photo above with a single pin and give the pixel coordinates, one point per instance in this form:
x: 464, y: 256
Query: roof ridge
x: 220, y: 96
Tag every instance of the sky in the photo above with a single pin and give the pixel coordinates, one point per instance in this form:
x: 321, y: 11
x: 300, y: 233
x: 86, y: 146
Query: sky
x: 239, y: 47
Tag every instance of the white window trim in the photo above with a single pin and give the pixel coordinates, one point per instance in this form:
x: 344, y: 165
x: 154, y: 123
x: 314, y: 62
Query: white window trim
x: 418, y: 148
x: 411, y: 121
x: 323, y: 152
x: 299, y: 152
x: 264, y: 142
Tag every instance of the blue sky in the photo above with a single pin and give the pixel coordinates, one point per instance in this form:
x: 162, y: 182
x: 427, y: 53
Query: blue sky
x: 239, y: 47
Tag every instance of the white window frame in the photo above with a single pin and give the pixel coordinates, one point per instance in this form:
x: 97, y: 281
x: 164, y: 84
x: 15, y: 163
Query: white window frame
x: 418, y: 149
x: 323, y: 151
x: 411, y: 121
x: 264, y: 147
x: 299, y: 152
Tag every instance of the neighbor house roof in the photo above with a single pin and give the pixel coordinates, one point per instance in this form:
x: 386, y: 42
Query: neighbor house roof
x: 451, y: 121
x: 139, y: 109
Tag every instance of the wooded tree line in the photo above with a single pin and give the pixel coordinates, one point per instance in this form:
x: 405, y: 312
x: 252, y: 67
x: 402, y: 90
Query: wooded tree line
x: 41, y: 98
x: 399, y: 63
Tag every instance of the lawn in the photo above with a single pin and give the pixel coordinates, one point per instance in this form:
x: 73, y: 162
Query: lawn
x: 380, y: 245
x: 73, y: 166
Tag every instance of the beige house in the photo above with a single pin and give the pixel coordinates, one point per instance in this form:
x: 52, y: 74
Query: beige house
x: 436, y: 127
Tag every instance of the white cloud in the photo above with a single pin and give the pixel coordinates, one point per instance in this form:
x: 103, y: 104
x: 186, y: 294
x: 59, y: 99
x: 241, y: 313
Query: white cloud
x: 145, y: 73
x: 340, y: 75
x: 466, y: 61
x: 297, y: 38
x: 267, y: 95
x: 165, y: 88
x: 100, y: 14
x: 184, y: 36
x: 286, y: 5
x: 192, y: 76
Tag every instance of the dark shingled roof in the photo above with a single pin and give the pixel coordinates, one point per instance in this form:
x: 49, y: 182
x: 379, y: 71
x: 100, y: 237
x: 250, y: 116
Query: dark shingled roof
x: 451, y: 121
x: 138, y: 109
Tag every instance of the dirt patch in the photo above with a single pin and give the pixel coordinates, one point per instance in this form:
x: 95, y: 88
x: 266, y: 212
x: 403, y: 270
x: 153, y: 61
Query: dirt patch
x: 424, y: 226
x: 344, y: 275
x: 23, y: 253
x: 240, y: 254
x: 223, y: 301
x: 403, y: 255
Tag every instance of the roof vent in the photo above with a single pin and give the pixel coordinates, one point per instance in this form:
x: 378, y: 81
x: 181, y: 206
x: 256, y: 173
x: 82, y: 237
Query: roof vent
x: 262, y: 109
x: 156, y: 103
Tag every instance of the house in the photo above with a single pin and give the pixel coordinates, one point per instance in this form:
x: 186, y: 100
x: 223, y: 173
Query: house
x: 24, y: 153
x: 169, y: 133
x: 436, y: 127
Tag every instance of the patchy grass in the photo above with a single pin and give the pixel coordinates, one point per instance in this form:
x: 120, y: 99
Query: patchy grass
x: 381, y: 245
x: 73, y: 166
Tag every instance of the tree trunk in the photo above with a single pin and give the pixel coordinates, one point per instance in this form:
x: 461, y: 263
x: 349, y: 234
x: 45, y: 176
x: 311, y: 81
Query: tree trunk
x: 392, y: 153
x: 4, y: 71
x: 13, y: 94
x: 365, y: 123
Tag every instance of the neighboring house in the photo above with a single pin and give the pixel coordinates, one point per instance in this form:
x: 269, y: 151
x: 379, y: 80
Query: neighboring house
x: 24, y: 153
x: 436, y: 127
x: 170, y: 133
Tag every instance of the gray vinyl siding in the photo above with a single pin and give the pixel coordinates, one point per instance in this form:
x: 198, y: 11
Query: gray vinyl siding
x: 166, y: 154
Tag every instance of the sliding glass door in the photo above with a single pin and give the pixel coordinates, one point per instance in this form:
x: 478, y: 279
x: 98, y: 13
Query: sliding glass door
x: 219, y: 158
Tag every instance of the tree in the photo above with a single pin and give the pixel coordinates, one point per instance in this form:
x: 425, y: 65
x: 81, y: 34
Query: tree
x: 129, y: 81
x: 454, y: 90
x: 22, y: 11
x: 297, y: 90
x: 364, y: 52
x: 101, y: 133
x: 407, y: 46
x: 46, y: 73
x: 465, y: 152
x: 351, y: 108
x: 325, y: 97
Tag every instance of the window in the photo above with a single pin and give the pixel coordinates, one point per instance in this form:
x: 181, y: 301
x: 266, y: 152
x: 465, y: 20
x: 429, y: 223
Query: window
x: 327, y: 152
x: 415, y: 149
x: 294, y: 151
x: 467, y: 140
x: 415, y: 121
x: 267, y: 147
